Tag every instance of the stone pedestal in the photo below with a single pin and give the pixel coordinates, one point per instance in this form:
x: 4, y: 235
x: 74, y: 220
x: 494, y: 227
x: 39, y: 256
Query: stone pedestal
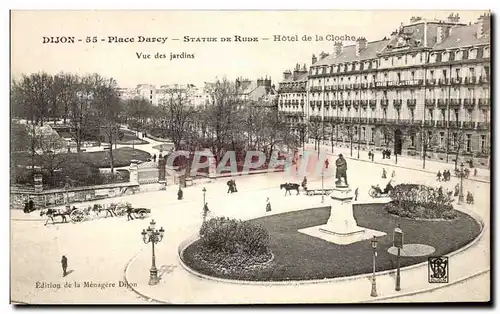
x: 342, y: 193
x: 341, y: 222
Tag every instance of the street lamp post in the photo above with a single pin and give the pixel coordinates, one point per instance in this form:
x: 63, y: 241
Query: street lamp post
x: 398, y: 243
x: 153, y: 236
x: 374, y: 280
x: 322, y: 186
x: 461, y: 196
x: 204, y: 192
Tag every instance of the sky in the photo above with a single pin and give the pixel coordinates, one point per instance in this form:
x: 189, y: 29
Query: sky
x: 211, y: 59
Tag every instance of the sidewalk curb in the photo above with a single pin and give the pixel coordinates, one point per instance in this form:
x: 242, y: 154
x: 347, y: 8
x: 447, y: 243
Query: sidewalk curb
x: 458, y: 281
x: 406, y: 167
x: 184, y: 244
x: 192, y: 239
x: 125, y: 271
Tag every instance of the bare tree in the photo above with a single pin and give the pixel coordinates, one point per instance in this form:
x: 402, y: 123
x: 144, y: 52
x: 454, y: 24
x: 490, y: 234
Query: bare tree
x: 179, y: 113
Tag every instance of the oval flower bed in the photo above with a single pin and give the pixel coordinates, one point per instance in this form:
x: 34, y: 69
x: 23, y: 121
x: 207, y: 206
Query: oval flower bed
x: 421, y: 202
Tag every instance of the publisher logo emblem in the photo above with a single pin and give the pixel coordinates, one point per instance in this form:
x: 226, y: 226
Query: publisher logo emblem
x: 438, y: 269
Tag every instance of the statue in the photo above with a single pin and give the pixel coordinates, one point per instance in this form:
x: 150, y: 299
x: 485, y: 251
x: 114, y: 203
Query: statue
x: 341, y: 171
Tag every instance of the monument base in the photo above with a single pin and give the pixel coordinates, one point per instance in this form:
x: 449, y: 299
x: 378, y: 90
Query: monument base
x: 342, y: 193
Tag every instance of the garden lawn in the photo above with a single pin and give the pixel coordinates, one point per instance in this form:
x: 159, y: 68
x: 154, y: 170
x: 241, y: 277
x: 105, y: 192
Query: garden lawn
x: 121, y: 157
x: 129, y: 138
x: 298, y: 256
x: 165, y: 147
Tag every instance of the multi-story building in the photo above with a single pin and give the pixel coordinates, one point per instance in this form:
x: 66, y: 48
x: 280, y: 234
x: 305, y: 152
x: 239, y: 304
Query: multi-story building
x: 292, y: 98
x: 156, y: 96
x: 424, y: 89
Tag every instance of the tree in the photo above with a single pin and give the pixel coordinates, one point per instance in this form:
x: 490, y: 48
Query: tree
x: 349, y: 132
x: 179, y: 113
x: 315, y: 131
x: 221, y: 116
x: 458, y: 143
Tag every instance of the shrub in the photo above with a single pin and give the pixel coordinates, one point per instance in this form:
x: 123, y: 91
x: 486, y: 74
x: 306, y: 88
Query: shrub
x: 231, y: 236
x: 420, y: 201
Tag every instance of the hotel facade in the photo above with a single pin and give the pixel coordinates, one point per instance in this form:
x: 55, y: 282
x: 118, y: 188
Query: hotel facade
x: 426, y: 88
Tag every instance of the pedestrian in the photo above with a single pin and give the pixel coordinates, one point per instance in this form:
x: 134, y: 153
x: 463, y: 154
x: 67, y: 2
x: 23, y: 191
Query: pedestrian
x: 393, y: 175
x: 180, y: 194
x: 369, y: 155
x: 356, y: 194
x: 475, y: 172
x: 230, y: 186
x: 304, y: 184
x: 384, y: 173
x: 383, y: 154
x: 326, y: 163
x: 31, y: 205
x: 268, y: 205
x: 64, y: 264
x: 438, y: 176
x: 457, y: 189
x: 205, y: 211
x: 129, y: 213
x: 234, y: 186
x: 154, y: 157
x: 373, y: 155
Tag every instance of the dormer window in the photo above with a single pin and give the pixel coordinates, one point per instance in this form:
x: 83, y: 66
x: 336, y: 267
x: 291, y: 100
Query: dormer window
x: 445, y: 56
x: 486, y: 52
x: 473, y: 53
x: 458, y: 55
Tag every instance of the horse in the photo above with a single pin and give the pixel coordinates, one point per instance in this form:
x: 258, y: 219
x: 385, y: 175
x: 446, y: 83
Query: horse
x: 290, y: 186
x: 51, y: 213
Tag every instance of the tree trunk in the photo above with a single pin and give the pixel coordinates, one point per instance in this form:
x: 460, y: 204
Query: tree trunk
x: 351, y: 146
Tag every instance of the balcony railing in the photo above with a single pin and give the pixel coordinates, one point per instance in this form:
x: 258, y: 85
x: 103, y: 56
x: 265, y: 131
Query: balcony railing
x: 443, y: 81
x: 372, y: 102
x: 411, y: 102
x: 455, y: 124
x: 483, y: 125
x: 431, y: 82
x: 484, y: 79
x: 456, y: 102
x: 484, y: 102
x: 429, y: 123
x: 430, y: 102
x: 441, y: 124
x: 384, y: 102
x: 470, y: 103
x: 442, y: 102
x: 397, y: 102
x: 316, y: 88
x: 469, y: 125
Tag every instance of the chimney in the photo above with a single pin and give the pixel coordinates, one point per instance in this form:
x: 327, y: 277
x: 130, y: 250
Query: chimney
x: 360, y: 45
x: 296, y: 72
x: 453, y: 18
x: 287, y: 74
x: 337, y: 48
x: 260, y: 82
x: 415, y: 19
x: 443, y: 31
x: 483, y: 25
x: 314, y: 59
x: 304, y: 68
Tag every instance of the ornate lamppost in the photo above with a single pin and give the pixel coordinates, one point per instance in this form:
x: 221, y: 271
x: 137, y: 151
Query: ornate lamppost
x: 204, y: 192
x: 461, y: 195
x: 398, y: 243
x: 374, y: 282
x: 322, y: 186
x: 153, y: 236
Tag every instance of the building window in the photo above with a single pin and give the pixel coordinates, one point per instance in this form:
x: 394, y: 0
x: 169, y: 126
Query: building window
x: 412, y: 139
x: 471, y: 72
x: 373, y: 135
x: 454, y: 138
x: 363, y: 133
x: 469, y: 115
x: 429, y: 138
x: 468, y: 143
x: 441, y: 139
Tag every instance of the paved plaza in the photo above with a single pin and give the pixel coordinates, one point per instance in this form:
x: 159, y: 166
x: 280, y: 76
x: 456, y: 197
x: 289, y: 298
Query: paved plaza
x: 107, y: 250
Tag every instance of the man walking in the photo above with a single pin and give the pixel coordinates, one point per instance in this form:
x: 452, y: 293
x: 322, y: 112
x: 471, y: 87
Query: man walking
x: 64, y: 264
x: 129, y: 213
x: 268, y: 205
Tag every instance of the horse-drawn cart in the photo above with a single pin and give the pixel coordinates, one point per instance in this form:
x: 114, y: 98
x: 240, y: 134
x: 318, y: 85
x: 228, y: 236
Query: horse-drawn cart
x: 311, y: 192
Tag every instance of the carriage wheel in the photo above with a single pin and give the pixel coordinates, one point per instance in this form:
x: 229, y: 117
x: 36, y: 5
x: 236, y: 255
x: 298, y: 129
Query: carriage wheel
x: 77, y: 215
x: 372, y: 193
x: 141, y: 214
